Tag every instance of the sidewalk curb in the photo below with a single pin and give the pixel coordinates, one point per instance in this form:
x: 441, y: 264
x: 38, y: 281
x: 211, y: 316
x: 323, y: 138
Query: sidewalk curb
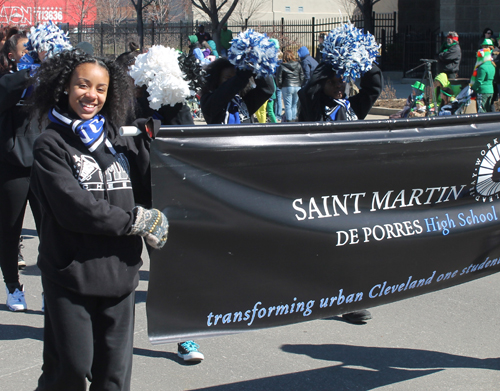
x: 383, y: 111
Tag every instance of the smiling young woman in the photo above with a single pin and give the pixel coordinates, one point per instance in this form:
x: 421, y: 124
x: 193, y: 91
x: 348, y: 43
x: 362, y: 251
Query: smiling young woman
x: 89, y: 180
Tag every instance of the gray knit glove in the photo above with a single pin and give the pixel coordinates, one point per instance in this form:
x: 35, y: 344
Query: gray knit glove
x: 152, y: 225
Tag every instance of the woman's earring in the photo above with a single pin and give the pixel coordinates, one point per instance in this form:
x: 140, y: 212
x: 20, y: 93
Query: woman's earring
x: 65, y: 92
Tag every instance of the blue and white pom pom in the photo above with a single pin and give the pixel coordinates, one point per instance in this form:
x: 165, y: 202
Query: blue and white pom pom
x: 254, y: 51
x: 349, y: 51
x: 159, y: 70
x: 47, y: 37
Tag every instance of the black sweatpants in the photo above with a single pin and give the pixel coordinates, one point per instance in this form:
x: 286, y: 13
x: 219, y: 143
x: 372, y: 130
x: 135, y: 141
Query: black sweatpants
x: 86, y: 337
x: 14, y: 195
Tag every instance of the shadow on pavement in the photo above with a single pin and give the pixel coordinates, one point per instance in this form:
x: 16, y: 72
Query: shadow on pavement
x: 360, y: 368
x: 11, y: 332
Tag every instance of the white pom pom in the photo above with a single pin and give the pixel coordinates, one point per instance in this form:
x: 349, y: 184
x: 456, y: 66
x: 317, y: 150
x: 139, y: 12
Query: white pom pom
x: 159, y: 70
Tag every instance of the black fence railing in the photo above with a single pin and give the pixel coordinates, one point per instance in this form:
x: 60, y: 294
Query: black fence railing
x: 426, y: 45
x: 110, y: 41
x: 399, y: 51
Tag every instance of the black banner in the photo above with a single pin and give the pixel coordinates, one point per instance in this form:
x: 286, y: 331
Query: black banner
x: 278, y: 224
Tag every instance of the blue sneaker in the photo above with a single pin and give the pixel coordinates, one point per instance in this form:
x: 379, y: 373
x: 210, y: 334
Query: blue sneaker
x: 188, y: 351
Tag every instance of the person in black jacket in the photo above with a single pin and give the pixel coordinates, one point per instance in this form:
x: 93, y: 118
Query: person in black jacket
x: 232, y: 96
x: 289, y: 78
x: 450, y: 55
x: 94, y: 190
x: 178, y: 114
x: 16, y: 141
x: 324, y: 98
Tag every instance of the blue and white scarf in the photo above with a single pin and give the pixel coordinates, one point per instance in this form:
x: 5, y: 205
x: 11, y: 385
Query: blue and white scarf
x: 91, y: 132
x: 331, y: 112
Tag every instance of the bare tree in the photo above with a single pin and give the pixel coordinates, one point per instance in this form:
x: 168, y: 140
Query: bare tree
x: 349, y: 7
x: 139, y: 6
x: 113, y: 13
x: 246, y: 9
x: 81, y: 10
x: 164, y: 11
x: 214, y: 9
x: 366, y: 9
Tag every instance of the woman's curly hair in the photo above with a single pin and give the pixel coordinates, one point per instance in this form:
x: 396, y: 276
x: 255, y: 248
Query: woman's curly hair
x: 54, y: 75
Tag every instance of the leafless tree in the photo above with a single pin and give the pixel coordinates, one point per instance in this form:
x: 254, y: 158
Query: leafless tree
x: 366, y: 9
x: 246, y: 9
x: 113, y: 13
x: 219, y: 12
x: 349, y: 8
x: 82, y: 10
x: 164, y: 11
x: 139, y: 6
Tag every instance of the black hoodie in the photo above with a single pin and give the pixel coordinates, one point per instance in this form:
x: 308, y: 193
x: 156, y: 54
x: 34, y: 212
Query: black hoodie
x: 17, y: 135
x: 87, y: 201
x: 312, y: 99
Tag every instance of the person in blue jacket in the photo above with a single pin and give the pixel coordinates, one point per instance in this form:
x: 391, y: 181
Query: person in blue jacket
x: 308, y: 63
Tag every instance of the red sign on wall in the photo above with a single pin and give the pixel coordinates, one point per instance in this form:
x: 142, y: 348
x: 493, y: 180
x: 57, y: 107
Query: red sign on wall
x: 32, y: 12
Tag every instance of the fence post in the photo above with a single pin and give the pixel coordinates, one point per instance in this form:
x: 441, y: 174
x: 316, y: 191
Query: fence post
x: 383, y: 50
x: 283, y: 33
x: 246, y: 24
x: 180, y: 36
x: 313, y: 47
x: 102, y: 40
x: 152, y: 33
x: 394, y: 26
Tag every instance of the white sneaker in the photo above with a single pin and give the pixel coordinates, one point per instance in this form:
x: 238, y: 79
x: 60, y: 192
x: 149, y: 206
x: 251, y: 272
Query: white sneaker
x: 15, y: 300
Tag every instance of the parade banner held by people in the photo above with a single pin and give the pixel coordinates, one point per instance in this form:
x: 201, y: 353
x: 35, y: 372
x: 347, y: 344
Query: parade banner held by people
x: 283, y: 224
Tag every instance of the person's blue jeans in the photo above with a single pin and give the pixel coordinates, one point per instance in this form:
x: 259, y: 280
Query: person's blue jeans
x: 278, y: 104
x: 290, y: 98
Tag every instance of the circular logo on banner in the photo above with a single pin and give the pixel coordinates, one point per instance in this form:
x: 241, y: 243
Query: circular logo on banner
x: 486, y: 177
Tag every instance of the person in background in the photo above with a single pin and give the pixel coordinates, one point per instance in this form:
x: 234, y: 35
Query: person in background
x: 488, y: 34
x: 86, y: 47
x: 202, y: 34
x: 177, y: 114
x: 417, y: 95
x: 213, y: 48
x: 232, y: 96
x: 207, y: 51
x: 449, y: 56
x: 319, y: 55
x: 449, y: 103
x: 278, y: 100
x: 16, y: 143
x: 308, y: 63
x: 195, y: 48
x: 324, y: 98
x: 491, y: 44
x: 482, y: 79
x: 226, y: 36
x: 289, y: 78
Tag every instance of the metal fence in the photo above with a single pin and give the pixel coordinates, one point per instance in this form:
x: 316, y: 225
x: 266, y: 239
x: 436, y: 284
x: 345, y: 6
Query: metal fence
x: 399, y: 51
x: 110, y: 41
x: 426, y: 45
